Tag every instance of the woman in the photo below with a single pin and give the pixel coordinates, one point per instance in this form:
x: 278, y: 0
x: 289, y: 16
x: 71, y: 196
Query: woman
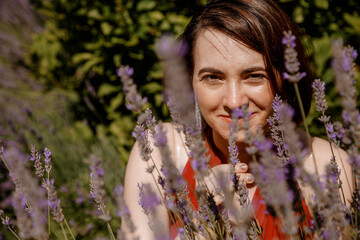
x: 235, y: 57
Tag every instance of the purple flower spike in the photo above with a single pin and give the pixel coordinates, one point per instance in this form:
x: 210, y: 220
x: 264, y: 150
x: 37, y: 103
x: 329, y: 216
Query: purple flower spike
x: 47, y: 154
x: 123, y: 210
x: 319, y: 92
x: 97, y: 186
x: 237, y: 112
x: 292, y: 64
x: 125, y: 71
x: 134, y: 100
x: 148, y: 199
x: 36, y: 158
x: 54, y: 202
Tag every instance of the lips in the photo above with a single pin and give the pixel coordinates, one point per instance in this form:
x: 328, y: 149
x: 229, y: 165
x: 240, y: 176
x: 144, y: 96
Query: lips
x: 228, y: 119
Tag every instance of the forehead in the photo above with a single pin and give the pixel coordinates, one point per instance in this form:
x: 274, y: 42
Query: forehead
x: 212, y: 46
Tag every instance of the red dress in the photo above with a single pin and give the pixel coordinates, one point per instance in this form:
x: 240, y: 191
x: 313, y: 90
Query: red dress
x: 271, y: 227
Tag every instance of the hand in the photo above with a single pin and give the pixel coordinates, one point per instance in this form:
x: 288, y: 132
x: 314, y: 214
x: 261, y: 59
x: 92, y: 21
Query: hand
x: 219, y: 181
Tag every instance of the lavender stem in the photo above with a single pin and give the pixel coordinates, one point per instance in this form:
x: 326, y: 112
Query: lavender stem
x: 306, y: 126
x: 63, y: 231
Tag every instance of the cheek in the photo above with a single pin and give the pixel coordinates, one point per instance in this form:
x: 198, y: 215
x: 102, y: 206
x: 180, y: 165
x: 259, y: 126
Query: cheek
x: 207, y: 100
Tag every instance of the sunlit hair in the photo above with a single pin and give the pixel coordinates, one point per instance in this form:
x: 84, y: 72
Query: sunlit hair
x: 259, y: 24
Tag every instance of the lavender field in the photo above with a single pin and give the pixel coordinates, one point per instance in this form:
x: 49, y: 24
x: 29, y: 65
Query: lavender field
x: 66, y: 129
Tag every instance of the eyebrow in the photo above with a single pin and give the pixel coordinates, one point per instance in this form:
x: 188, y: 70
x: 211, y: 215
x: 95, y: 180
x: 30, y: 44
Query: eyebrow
x: 217, y: 71
x: 209, y: 69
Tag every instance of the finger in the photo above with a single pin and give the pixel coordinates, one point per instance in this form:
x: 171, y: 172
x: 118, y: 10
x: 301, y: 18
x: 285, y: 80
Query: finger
x: 248, y: 178
x: 219, y: 199
x: 241, y: 167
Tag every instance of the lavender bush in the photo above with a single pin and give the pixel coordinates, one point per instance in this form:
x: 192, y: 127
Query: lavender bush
x: 35, y: 198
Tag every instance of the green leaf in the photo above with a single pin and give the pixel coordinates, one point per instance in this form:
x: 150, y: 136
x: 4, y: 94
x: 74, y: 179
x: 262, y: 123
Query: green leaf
x: 322, y: 4
x: 79, y: 57
x: 156, y: 15
x: 117, y: 59
x: 89, y: 64
x: 116, y: 102
x: 354, y: 21
x: 152, y: 87
x: 106, y: 89
x: 106, y: 28
x: 145, y: 5
x: 322, y: 54
x: 298, y: 15
x: 94, y: 14
x: 133, y: 41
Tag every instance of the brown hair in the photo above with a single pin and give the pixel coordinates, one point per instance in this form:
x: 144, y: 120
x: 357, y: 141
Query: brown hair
x: 259, y: 24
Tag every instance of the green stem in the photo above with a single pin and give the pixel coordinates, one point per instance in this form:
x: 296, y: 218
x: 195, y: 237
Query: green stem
x: 2, y: 158
x: 63, y: 231
x: 68, y: 227
x: 14, y: 233
x: 48, y: 208
x: 110, y: 231
x: 305, y: 125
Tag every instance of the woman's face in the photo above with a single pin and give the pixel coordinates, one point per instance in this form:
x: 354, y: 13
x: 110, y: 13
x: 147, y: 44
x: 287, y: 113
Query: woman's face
x: 227, y: 75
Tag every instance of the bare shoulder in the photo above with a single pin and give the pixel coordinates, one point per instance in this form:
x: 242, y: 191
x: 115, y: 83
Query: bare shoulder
x: 323, y: 151
x: 137, y: 167
x: 176, y: 143
x: 140, y: 170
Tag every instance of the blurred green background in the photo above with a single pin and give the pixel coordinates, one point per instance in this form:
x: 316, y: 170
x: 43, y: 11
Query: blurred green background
x: 59, y: 89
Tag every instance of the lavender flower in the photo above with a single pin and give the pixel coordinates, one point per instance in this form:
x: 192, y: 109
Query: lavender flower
x: 149, y: 120
x: 148, y: 199
x: 329, y: 206
x: 54, y: 202
x: 276, y: 130
x: 183, y: 97
x: 292, y: 64
x: 5, y: 220
x: 124, y: 212
x: 36, y: 158
x: 134, y: 100
x: 271, y: 179
x: 343, y: 66
x: 141, y: 136
x: 29, y: 196
x: 296, y: 151
x: 173, y: 181
x: 234, y: 129
x: 23, y: 220
x: 47, y: 154
x: 319, y: 94
x: 237, y: 113
x: 97, y: 186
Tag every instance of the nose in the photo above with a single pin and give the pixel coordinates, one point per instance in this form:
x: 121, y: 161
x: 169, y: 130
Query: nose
x: 234, y: 96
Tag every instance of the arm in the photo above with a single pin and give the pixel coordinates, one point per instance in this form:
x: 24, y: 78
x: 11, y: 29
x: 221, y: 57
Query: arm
x: 136, y: 173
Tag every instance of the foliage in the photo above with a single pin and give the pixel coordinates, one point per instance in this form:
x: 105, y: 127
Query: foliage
x: 86, y: 41
x: 76, y: 107
x: 322, y: 21
x: 34, y: 114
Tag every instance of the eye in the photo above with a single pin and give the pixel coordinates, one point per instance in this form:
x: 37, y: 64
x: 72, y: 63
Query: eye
x: 211, y: 79
x: 256, y: 78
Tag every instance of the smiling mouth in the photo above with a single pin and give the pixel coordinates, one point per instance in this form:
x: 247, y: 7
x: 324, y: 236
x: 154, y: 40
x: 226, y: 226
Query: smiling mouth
x: 228, y: 119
